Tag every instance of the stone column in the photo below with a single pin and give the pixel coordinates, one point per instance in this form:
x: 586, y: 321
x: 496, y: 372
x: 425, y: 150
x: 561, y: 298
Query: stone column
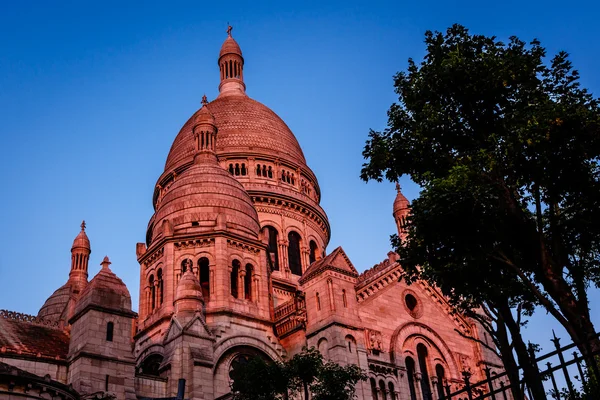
x: 330, y: 295
x: 418, y: 389
x: 242, y: 281
x: 434, y: 387
x: 304, y: 252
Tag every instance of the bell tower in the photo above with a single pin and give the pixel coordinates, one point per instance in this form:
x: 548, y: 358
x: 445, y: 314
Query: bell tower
x: 231, y: 66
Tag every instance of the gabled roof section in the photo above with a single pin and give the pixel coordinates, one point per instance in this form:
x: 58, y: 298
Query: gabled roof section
x: 336, y: 261
x: 29, y: 335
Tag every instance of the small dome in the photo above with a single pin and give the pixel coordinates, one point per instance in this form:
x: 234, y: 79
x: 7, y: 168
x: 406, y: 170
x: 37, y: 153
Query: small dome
x: 81, y: 240
x: 230, y: 46
x: 55, y: 306
x: 188, y: 295
x: 205, y: 197
x: 401, y: 203
x: 204, y: 116
x: 106, y: 290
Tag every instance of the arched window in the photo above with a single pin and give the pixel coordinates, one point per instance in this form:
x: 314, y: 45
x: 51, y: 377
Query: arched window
x: 235, y: 271
x: 109, y: 331
x: 272, y: 248
x: 264, y: 172
x: 312, y: 257
x: 439, y: 372
x: 344, y: 299
x: 237, y: 169
x: 323, y: 346
x: 243, y: 169
x: 382, y: 389
x: 270, y: 172
x: 152, y: 293
x: 248, y: 282
x: 151, y: 365
x: 350, y: 343
x: 258, y: 170
x: 204, y: 267
x: 294, y: 253
x: 283, y: 176
x: 374, y: 389
x: 410, y: 373
x: 392, y: 392
x: 318, y: 301
x: 425, y: 387
x: 231, y: 169
x: 159, y: 276
x: 185, y: 264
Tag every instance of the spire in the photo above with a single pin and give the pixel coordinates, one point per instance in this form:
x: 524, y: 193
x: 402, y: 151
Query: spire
x: 80, y: 256
x: 205, y: 133
x: 231, y: 66
x: 401, y: 211
x: 105, y: 263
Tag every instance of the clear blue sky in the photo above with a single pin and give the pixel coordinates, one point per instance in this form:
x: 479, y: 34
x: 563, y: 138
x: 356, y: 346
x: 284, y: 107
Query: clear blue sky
x: 92, y: 95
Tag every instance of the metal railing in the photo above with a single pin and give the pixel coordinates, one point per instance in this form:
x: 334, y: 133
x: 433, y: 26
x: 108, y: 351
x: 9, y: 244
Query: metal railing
x: 562, y: 380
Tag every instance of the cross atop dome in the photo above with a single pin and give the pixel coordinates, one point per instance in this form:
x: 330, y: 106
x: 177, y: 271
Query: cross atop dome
x: 229, y: 29
x: 83, y: 226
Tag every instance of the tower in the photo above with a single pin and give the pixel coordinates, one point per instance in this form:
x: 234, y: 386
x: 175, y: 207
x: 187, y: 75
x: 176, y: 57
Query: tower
x: 231, y: 67
x: 401, y: 211
x: 80, y: 256
x: 60, y: 305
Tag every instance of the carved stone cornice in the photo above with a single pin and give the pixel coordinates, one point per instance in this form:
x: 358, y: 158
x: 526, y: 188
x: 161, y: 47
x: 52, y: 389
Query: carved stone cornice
x: 156, y: 254
x: 245, y: 247
x: 192, y: 243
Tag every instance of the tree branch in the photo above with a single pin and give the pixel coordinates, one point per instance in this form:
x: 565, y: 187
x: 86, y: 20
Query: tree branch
x: 538, y: 294
x: 495, y: 351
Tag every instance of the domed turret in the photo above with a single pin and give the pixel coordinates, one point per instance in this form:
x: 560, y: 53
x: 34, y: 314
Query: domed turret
x: 401, y: 210
x: 188, y: 296
x: 231, y: 64
x: 59, y: 306
x: 80, y: 256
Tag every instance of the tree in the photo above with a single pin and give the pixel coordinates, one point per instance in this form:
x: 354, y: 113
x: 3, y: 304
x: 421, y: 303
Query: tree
x: 303, y: 369
x: 305, y: 373
x: 505, y: 147
x: 259, y: 379
x: 336, y: 382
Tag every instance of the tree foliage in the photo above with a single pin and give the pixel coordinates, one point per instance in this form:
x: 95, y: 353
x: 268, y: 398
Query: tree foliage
x: 505, y: 146
x: 305, y: 373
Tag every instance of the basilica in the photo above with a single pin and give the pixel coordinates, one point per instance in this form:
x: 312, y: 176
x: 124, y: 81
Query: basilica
x: 236, y: 265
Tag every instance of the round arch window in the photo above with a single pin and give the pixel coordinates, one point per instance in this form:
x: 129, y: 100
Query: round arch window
x: 412, y: 305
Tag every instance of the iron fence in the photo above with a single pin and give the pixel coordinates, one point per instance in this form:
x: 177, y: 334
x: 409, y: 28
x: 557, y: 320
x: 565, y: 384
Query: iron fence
x: 563, y: 372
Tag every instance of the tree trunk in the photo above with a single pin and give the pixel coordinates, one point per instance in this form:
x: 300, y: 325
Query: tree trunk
x: 529, y: 366
x: 508, y: 359
x: 305, y: 391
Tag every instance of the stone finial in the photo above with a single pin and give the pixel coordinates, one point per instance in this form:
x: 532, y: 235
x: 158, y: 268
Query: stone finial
x: 83, y: 226
x: 229, y: 29
x: 204, y: 100
x: 105, y: 263
x: 398, y: 189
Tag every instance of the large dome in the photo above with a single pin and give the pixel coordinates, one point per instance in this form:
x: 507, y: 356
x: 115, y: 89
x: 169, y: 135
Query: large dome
x: 244, y: 126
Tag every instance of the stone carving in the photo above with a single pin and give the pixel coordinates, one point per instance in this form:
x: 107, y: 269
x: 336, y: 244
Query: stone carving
x: 374, y: 341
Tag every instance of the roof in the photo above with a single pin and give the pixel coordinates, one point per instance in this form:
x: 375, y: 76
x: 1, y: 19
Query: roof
x: 29, y: 335
x: 337, y: 261
x: 106, y: 291
x: 230, y: 46
x: 244, y: 126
